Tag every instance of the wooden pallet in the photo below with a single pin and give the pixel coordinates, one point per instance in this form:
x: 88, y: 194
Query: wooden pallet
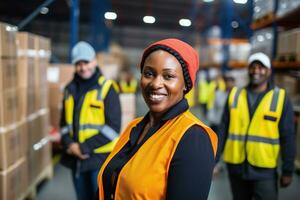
x: 31, y: 191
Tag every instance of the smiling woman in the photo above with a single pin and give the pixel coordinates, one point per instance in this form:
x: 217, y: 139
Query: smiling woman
x: 169, y: 153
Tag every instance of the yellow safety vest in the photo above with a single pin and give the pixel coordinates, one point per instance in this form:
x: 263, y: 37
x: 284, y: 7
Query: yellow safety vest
x: 255, y: 140
x: 144, y: 176
x: 128, y: 88
x: 212, y: 86
x: 92, y: 117
x: 202, y: 91
x: 190, y: 97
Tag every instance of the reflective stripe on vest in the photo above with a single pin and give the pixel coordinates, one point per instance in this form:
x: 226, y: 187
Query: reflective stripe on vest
x: 256, y: 139
x: 128, y: 88
x: 92, y: 117
x: 146, y: 179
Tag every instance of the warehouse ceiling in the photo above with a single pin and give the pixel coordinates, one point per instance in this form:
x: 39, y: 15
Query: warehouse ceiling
x: 128, y: 29
x: 130, y: 13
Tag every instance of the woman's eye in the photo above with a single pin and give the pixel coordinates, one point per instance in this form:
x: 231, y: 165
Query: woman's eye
x: 148, y: 73
x: 169, y: 76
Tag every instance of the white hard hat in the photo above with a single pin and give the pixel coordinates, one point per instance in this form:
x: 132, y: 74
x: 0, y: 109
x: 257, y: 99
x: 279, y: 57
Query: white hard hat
x: 261, y: 57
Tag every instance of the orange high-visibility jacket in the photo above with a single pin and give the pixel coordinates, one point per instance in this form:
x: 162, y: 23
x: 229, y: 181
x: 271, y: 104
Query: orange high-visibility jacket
x: 145, y: 175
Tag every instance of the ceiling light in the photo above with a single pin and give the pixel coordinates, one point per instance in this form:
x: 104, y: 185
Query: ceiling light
x: 149, y: 19
x: 240, y: 1
x: 110, y: 15
x: 44, y: 10
x: 208, y: 1
x: 185, y: 22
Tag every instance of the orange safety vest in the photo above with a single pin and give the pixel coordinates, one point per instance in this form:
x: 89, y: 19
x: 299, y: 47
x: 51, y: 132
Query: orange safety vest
x: 144, y: 176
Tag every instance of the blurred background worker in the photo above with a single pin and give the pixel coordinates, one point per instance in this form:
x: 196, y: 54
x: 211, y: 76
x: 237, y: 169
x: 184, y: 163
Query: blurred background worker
x: 90, y: 120
x: 127, y: 83
x: 216, y: 98
x: 256, y: 126
x: 202, y: 90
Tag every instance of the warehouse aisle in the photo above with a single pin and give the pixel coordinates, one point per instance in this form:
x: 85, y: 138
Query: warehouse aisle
x: 59, y: 188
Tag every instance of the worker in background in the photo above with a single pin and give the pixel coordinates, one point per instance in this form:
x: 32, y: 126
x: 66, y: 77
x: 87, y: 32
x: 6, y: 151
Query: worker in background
x: 256, y: 126
x: 127, y: 83
x: 216, y: 87
x: 203, y: 91
x: 169, y: 153
x: 90, y: 121
x: 218, y: 98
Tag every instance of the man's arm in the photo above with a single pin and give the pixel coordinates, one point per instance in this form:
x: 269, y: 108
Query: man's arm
x: 287, y: 139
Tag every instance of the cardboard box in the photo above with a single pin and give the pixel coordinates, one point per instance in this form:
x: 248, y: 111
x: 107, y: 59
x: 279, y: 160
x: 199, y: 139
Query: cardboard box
x: 8, y: 105
x: 44, y: 97
x: 60, y: 73
x: 43, y: 47
x: 34, y: 130
x: 37, y: 98
x: 43, y: 68
x: 22, y: 94
x: 44, y: 120
x: 26, y: 45
x: 25, y: 71
x: 31, y: 101
x: 13, y: 144
x: 23, y: 131
x: 55, y: 114
x: 8, y: 47
x: 38, y: 158
x: 287, y: 82
x: 8, y: 73
x: 56, y: 94
x: 45, y: 156
x: 13, y: 181
x: 9, y: 146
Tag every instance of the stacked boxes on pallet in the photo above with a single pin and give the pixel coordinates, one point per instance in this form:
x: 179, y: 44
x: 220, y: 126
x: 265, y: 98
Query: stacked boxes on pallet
x: 33, y: 59
x: 12, y: 129
x: 24, y: 147
x: 288, y: 45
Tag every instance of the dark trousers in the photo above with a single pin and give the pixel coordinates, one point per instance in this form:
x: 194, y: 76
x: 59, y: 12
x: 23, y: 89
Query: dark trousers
x: 250, y: 189
x: 86, y: 184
